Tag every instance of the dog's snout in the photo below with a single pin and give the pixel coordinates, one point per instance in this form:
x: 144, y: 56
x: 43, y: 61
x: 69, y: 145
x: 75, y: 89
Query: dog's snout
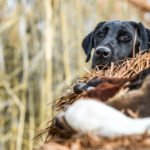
x: 103, y: 51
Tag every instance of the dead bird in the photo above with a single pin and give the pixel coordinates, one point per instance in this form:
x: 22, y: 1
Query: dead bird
x: 90, y: 116
x: 105, y: 88
x: 137, y: 100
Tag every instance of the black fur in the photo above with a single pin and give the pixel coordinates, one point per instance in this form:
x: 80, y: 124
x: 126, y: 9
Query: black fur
x: 114, y: 40
x: 88, y: 43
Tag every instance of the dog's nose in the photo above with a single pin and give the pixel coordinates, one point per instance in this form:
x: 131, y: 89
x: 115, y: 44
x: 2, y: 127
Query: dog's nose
x: 103, y: 51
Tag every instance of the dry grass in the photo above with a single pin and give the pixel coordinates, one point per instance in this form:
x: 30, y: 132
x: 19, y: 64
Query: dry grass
x: 126, y: 69
x: 69, y: 138
x: 40, y: 54
x: 90, y: 142
x: 143, y: 5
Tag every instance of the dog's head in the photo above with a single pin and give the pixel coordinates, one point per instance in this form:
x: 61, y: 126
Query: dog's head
x: 115, y: 40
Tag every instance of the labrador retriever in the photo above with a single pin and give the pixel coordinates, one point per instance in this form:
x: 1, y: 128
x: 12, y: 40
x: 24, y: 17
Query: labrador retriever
x: 114, y: 41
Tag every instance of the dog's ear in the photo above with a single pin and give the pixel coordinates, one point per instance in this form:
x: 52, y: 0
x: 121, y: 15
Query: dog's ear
x: 88, y: 42
x: 148, y: 34
x: 144, y: 35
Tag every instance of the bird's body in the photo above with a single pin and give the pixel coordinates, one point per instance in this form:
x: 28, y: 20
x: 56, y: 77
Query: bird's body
x: 98, y: 118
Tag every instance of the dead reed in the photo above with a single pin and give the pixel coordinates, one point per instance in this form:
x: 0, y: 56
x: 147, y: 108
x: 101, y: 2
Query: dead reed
x: 126, y: 69
x: 40, y: 55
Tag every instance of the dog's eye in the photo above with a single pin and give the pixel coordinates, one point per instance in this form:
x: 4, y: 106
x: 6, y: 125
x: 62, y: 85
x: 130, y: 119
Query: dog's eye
x: 124, y: 38
x: 101, y: 34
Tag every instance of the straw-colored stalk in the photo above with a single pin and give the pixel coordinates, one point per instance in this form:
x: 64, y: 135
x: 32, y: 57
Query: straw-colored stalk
x: 79, y: 31
x: 2, y: 60
x: 143, y: 5
x: 25, y: 59
x: 64, y: 28
x: 48, y: 40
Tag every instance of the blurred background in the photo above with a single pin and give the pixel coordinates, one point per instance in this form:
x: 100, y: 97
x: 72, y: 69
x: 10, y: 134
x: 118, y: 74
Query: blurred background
x: 41, y: 55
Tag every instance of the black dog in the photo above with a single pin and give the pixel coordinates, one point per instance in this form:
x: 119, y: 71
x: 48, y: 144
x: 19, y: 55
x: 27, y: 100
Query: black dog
x: 114, y: 41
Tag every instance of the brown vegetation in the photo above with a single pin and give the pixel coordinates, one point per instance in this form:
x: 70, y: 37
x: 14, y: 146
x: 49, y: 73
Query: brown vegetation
x: 130, y: 101
x: 143, y: 5
x: 40, y: 55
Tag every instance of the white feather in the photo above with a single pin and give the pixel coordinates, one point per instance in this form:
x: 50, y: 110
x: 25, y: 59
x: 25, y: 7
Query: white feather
x: 100, y: 119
